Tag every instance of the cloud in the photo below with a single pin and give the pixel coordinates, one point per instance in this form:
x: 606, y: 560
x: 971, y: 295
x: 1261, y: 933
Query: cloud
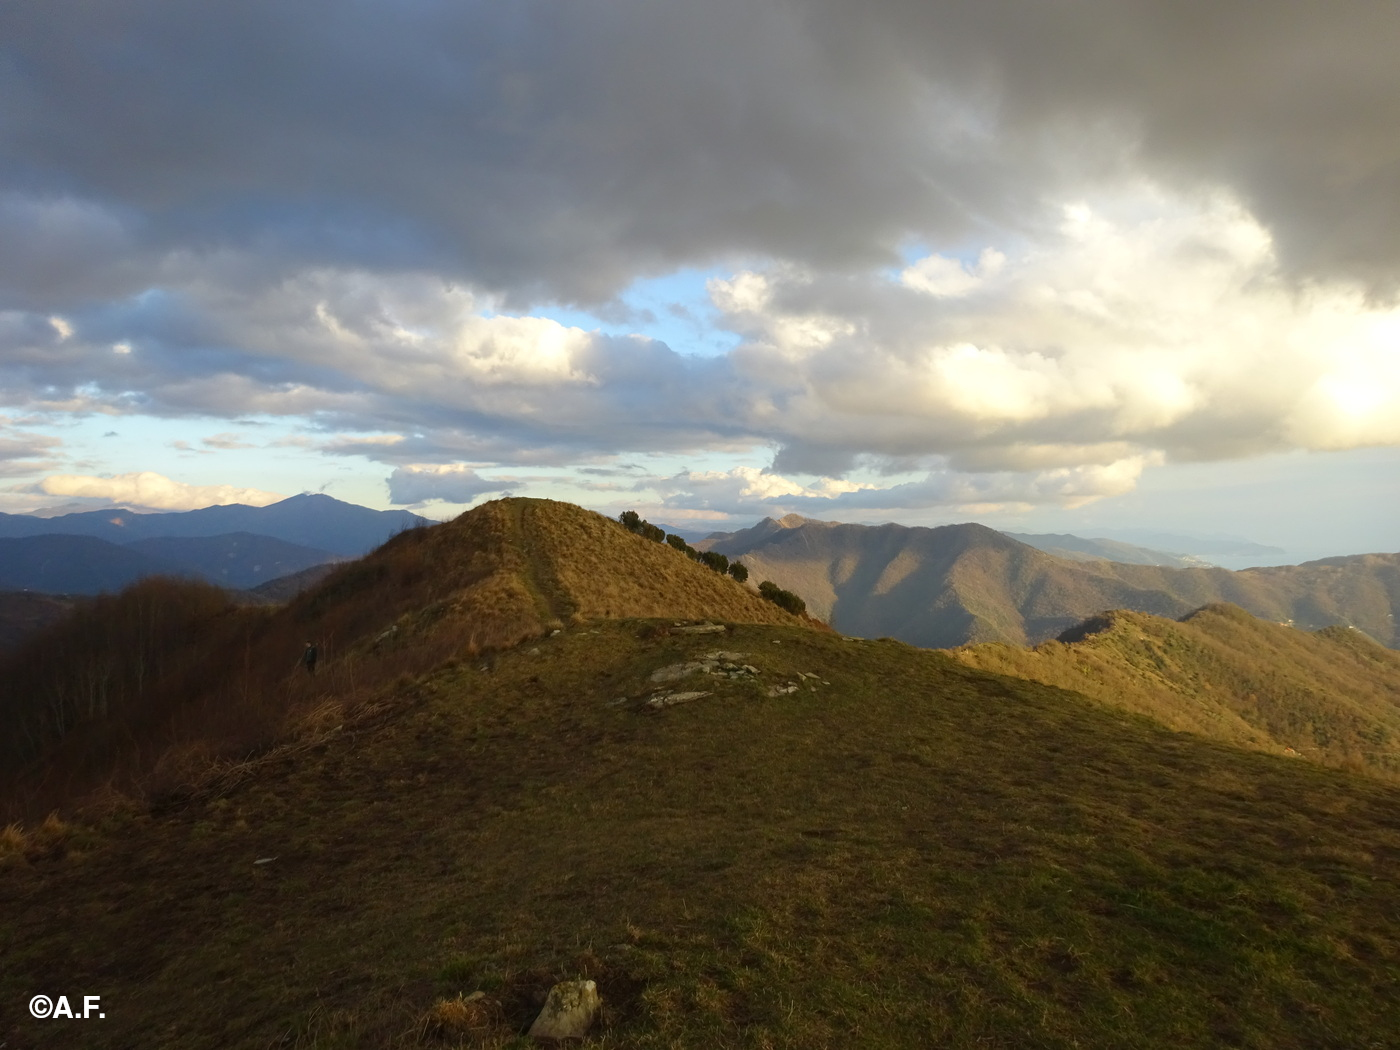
x: 153, y: 491
x: 747, y: 491
x: 451, y: 483
x: 1145, y: 326
x: 1148, y: 325
x: 554, y: 151
x: 992, y: 239
x: 226, y: 441
x: 23, y: 453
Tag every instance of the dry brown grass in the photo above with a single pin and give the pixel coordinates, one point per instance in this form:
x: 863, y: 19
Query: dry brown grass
x: 463, y: 1015
x: 605, y: 572
x: 146, y: 693
x: 1330, y: 697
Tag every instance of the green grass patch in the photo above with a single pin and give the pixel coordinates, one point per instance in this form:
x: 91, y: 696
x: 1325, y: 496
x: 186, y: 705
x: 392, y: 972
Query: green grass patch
x: 916, y: 854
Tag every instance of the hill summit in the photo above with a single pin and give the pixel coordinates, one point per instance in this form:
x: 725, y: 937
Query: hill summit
x: 170, y: 667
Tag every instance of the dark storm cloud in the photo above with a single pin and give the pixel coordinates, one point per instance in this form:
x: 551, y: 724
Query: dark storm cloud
x: 560, y: 149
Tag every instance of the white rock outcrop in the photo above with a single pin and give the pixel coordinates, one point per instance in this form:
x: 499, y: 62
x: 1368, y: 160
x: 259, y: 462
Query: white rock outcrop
x: 568, y: 1012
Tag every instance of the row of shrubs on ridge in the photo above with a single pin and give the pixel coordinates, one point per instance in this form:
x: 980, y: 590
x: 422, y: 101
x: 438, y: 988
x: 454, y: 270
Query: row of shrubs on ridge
x: 633, y: 522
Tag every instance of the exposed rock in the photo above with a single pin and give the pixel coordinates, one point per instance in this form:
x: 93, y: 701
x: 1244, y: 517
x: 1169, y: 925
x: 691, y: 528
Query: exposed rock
x: 782, y: 690
x: 568, y: 1012
x: 675, y: 672
x: 703, y: 628
x: 671, y: 699
x: 718, y: 663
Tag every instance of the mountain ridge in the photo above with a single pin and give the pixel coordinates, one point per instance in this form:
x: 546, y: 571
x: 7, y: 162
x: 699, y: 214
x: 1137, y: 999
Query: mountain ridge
x: 958, y: 584
x: 1331, y: 695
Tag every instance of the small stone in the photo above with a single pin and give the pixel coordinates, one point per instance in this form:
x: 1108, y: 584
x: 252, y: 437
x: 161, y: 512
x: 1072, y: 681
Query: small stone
x: 568, y: 1012
x: 674, y: 672
x: 751, y: 669
x: 554, y: 632
x: 671, y: 699
x: 534, y: 652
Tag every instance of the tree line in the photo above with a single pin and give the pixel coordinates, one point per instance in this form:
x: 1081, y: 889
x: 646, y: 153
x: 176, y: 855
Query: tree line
x: 635, y: 523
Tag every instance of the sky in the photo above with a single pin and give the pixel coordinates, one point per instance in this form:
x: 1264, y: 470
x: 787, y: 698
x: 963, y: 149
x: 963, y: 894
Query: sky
x: 1066, y: 266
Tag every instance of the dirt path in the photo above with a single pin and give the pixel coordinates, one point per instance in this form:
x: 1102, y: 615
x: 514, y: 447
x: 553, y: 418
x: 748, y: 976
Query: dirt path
x: 550, y: 597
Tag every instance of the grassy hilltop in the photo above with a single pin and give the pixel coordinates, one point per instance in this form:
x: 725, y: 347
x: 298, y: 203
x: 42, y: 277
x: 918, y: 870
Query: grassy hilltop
x: 859, y: 845
x: 143, y: 688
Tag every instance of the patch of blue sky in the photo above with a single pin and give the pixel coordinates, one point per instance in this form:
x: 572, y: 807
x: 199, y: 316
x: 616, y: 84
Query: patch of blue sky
x: 1352, y: 504
x: 674, y: 309
x: 258, y: 453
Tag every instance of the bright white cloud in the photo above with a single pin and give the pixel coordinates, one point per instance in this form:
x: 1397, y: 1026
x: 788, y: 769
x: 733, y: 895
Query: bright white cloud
x: 747, y: 491
x: 1144, y: 327
x: 945, y: 278
x: 1159, y: 324
x: 450, y: 483
x: 153, y: 491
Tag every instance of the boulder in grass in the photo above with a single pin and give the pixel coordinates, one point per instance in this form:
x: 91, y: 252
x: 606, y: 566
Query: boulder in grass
x: 568, y: 1012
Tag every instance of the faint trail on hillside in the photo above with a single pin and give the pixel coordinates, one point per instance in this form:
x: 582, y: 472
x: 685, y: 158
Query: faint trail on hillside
x: 551, y: 599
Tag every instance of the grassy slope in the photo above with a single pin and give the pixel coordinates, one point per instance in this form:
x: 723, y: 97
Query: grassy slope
x: 1331, y: 696
x: 965, y: 583
x: 161, y: 680
x: 917, y: 854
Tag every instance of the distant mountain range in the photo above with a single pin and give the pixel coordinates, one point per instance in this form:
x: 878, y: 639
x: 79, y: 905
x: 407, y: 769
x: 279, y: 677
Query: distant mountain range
x: 62, y: 564
x: 238, y: 547
x: 961, y: 584
x: 312, y: 520
x: 1077, y: 548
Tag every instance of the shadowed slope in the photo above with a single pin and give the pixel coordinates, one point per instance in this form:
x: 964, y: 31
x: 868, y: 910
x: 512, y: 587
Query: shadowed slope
x: 1332, y: 696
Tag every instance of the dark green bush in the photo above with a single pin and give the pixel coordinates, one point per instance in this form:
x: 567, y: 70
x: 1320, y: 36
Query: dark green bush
x: 739, y: 571
x: 782, y: 599
x: 716, y: 561
x: 678, y: 542
x: 634, y: 522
